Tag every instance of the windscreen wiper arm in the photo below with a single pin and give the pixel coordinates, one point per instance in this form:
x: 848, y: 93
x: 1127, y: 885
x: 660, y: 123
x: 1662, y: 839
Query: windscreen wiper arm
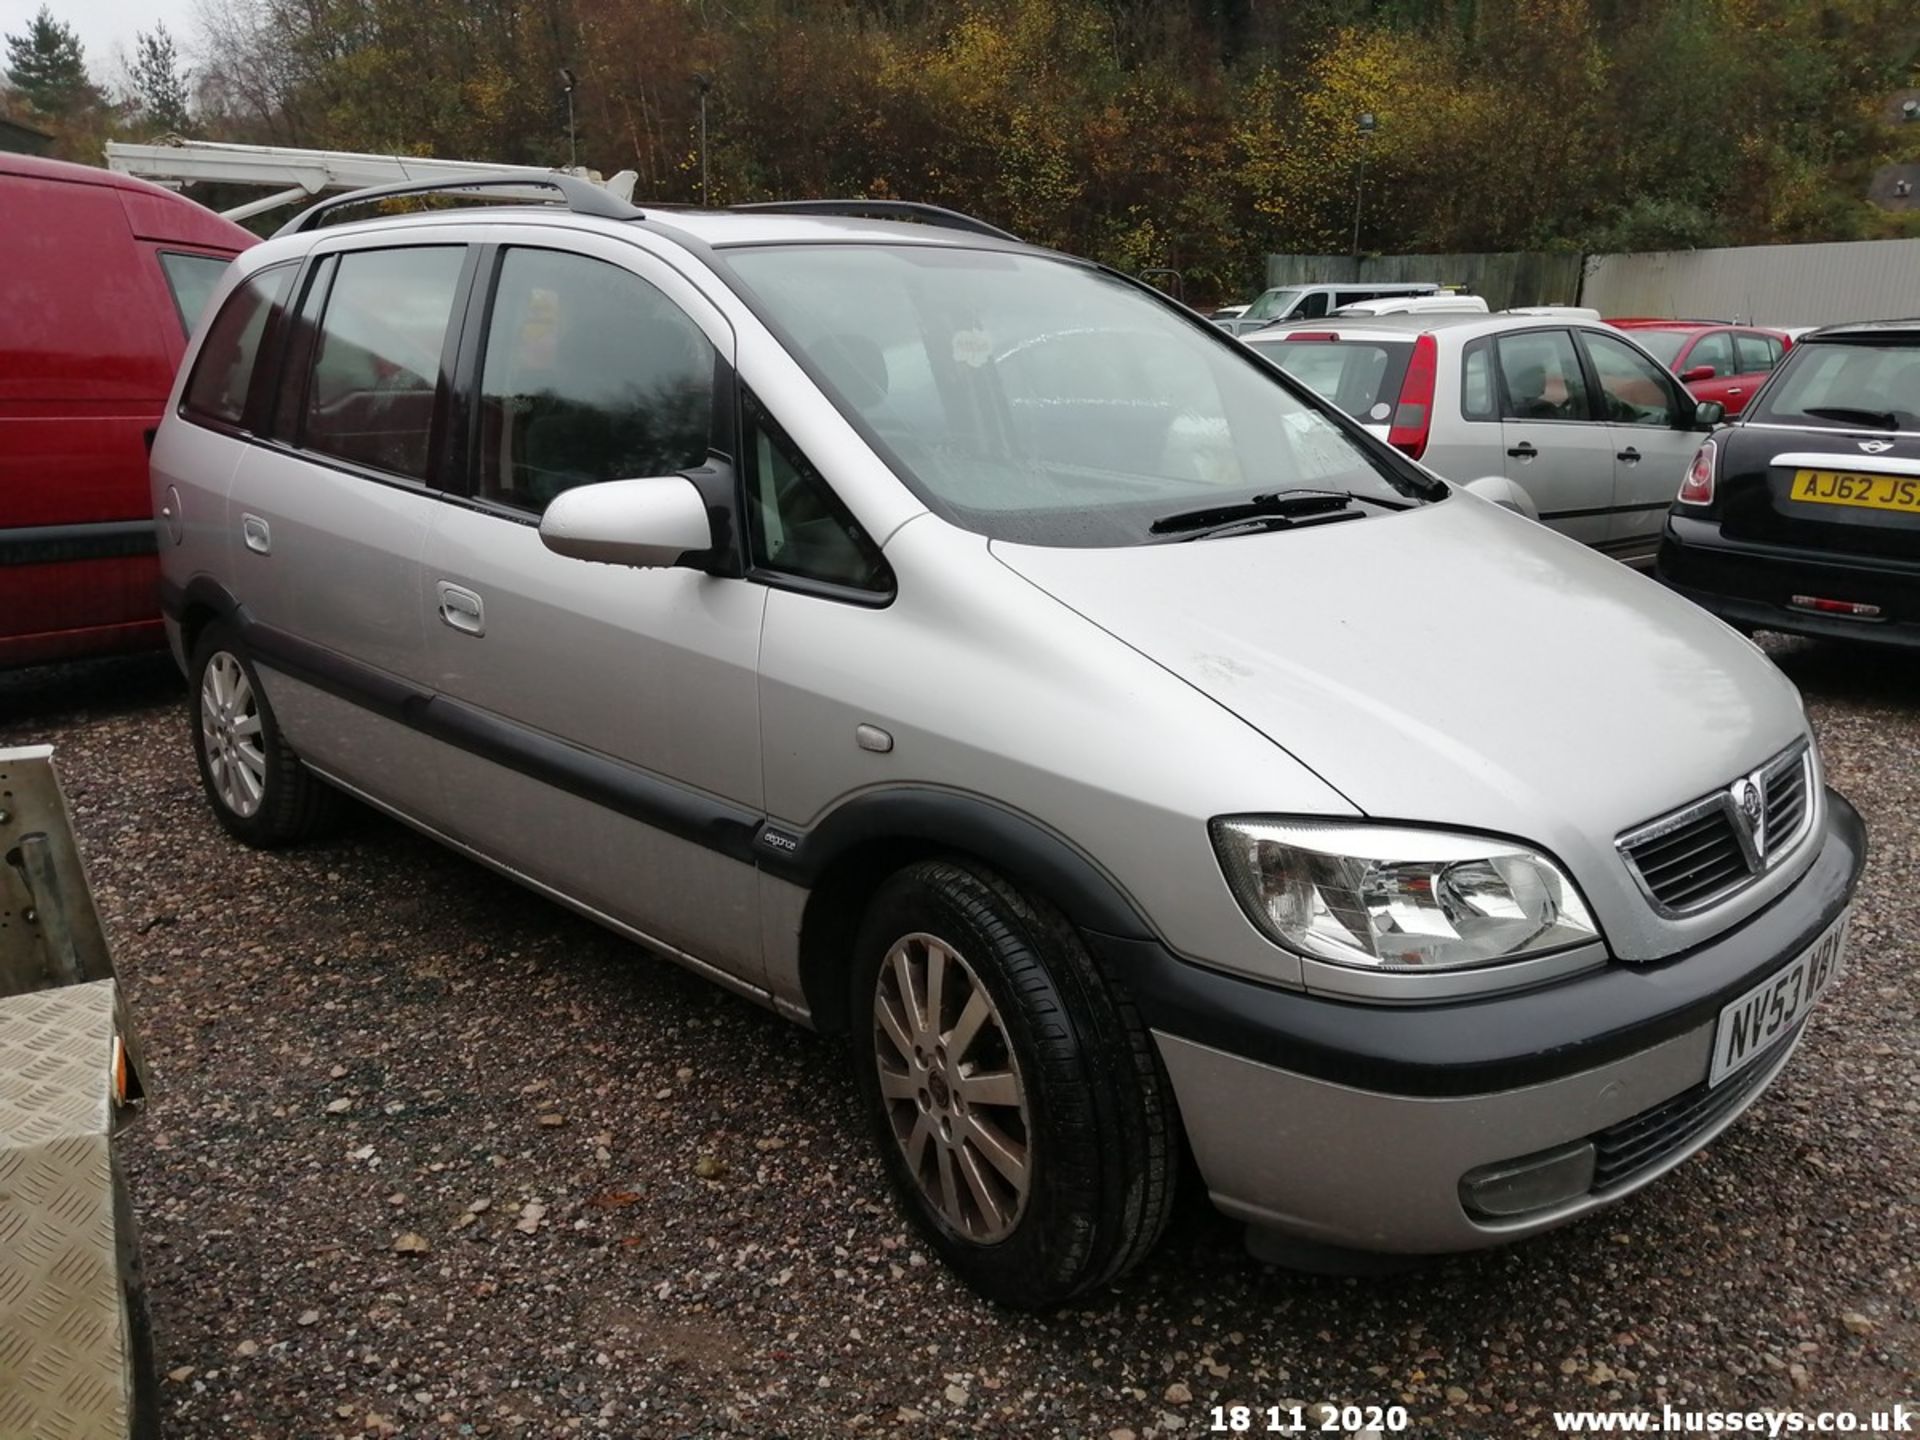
x: 1280, y: 504
x: 1878, y: 419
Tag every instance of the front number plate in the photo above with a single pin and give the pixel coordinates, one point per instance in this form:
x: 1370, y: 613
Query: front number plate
x: 1751, y: 1024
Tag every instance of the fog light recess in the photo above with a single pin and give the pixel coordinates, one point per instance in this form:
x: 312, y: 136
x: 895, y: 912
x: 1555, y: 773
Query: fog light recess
x: 1512, y: 1188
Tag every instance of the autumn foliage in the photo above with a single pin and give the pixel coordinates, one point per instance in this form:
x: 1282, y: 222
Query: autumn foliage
x: 1192, y: 133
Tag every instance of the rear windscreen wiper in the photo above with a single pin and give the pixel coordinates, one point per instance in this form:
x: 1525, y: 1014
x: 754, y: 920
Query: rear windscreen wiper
x: 1878, y: 419
x: 1278, y: 505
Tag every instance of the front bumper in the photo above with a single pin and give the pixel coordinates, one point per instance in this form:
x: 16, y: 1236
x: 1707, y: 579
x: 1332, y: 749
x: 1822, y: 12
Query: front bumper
x: 1354, y: 1125
x: 1750, y: 584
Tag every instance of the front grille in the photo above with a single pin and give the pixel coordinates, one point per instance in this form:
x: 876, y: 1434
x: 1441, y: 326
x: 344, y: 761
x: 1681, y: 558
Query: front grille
x: 1705, y: 851
x: 1639, y: 1143
x: 1786, y: 788
x: 1693, y: 862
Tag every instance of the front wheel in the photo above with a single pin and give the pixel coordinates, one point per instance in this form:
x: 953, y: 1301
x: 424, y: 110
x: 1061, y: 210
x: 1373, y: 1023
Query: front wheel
x: 1016, y: 1098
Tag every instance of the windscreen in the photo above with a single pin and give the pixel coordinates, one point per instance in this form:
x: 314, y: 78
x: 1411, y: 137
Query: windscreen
x: 1663, y: 345
x: 1861, y: 384
x: 1041, y: 400
x: 1362, y: 377
x: 1272, y: 305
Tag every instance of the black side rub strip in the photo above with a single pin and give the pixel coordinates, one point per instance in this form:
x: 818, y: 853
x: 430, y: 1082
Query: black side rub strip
x: 1026, y: 850
x: 1604, y: 510
x: 1473, y: 1047
x: 626, y: 789
x: 55, y: 544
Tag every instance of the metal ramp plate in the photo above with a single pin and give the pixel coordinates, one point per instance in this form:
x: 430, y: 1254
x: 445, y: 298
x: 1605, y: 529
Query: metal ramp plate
x: 64, y: 1372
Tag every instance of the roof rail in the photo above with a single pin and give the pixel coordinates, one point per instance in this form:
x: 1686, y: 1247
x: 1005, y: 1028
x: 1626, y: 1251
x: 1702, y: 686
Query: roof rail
x: 582, y: 197
x: 885, y: 210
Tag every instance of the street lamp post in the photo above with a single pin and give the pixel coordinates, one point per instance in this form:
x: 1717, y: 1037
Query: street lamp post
x: 567, y: 81
x: 705, y: 83
x: 1365, y: 126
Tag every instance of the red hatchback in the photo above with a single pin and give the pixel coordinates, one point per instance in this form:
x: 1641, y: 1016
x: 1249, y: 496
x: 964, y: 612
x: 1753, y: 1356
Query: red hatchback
x: 1715, y: 361
x: 101, y: 279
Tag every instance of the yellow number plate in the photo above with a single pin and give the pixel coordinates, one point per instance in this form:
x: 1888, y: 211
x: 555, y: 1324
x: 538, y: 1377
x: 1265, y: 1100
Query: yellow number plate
x: 1870, y: 492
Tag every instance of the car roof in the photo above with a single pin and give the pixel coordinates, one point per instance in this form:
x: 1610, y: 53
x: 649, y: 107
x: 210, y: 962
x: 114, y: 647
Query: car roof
x: 715, y: 228
x: 153, y: 211
x: 1645, y: 322
x: 1379, y: 287
x: 1399, y: 327
x: 1863, y: 330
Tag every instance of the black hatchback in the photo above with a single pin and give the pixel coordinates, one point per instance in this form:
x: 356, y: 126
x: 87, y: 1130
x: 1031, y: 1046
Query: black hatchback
x: 1804, y: 516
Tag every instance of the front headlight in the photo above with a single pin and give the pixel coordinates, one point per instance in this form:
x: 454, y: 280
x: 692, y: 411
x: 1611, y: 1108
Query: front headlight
x: 1389, y: 898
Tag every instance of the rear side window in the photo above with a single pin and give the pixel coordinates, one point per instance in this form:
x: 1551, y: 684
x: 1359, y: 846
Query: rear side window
x: 1362, y: 377
x: 376, y: 367
x: 191, y: 280
x: 591, y: 374
x: 224, y: 372
x: 1542, y: 376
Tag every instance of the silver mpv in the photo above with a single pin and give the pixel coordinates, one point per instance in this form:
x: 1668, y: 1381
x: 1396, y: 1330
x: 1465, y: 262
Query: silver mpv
x: 959, y: 646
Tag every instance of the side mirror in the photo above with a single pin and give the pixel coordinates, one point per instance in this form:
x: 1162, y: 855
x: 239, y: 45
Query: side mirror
x: 1698, y: 372
x: 653, y: 522
x: 1707, y: 414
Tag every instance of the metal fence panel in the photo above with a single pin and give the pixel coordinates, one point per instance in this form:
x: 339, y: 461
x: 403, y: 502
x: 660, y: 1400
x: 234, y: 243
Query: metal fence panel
x: 1763, y: 284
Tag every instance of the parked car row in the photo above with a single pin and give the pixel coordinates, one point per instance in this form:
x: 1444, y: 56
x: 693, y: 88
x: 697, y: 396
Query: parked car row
x: 1587, y: 432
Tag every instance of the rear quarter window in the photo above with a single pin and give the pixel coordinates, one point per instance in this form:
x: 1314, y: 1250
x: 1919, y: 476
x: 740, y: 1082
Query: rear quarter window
x: 191, y: 280
x: 224, y: 373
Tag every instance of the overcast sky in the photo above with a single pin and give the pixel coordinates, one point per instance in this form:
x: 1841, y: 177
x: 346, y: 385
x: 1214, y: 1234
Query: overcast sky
x: 105, y: 26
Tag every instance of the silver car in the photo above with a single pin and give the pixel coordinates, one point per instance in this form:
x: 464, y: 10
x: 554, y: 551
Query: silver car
x: 1569, y: 420
x: 961, y: 647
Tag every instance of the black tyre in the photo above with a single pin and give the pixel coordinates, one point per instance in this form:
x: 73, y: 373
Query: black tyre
x: 1015, y: 1096
x: 259, y: 789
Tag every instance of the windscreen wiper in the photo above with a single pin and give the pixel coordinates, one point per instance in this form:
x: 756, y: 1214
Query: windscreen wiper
x: 1281, y: 505
x: 1878, y: 419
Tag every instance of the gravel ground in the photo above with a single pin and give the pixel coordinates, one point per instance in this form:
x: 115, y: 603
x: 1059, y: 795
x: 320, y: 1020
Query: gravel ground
x: 428, y: 1156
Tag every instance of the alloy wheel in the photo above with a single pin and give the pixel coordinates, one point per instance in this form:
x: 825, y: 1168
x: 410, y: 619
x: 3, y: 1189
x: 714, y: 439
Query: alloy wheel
x: 952, y: 1088
x: 230, y: 730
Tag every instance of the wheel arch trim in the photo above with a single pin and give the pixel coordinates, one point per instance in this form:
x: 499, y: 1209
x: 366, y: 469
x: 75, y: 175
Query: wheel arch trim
x: 840, y: 861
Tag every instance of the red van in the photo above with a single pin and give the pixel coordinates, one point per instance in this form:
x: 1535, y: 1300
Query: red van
x: 102, y: 277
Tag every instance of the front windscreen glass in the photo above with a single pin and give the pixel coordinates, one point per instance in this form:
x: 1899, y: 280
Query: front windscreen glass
x: 1663, y: 345
x: 1272, y: 305
x: 1041, y: 400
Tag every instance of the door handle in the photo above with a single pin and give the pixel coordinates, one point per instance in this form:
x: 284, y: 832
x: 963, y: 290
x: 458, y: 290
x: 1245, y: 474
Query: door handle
x: 1523, y: 451
x: 1630, y: 455
x: 254, y: 531
x: 1735, y: 390
x: 461, y: 608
